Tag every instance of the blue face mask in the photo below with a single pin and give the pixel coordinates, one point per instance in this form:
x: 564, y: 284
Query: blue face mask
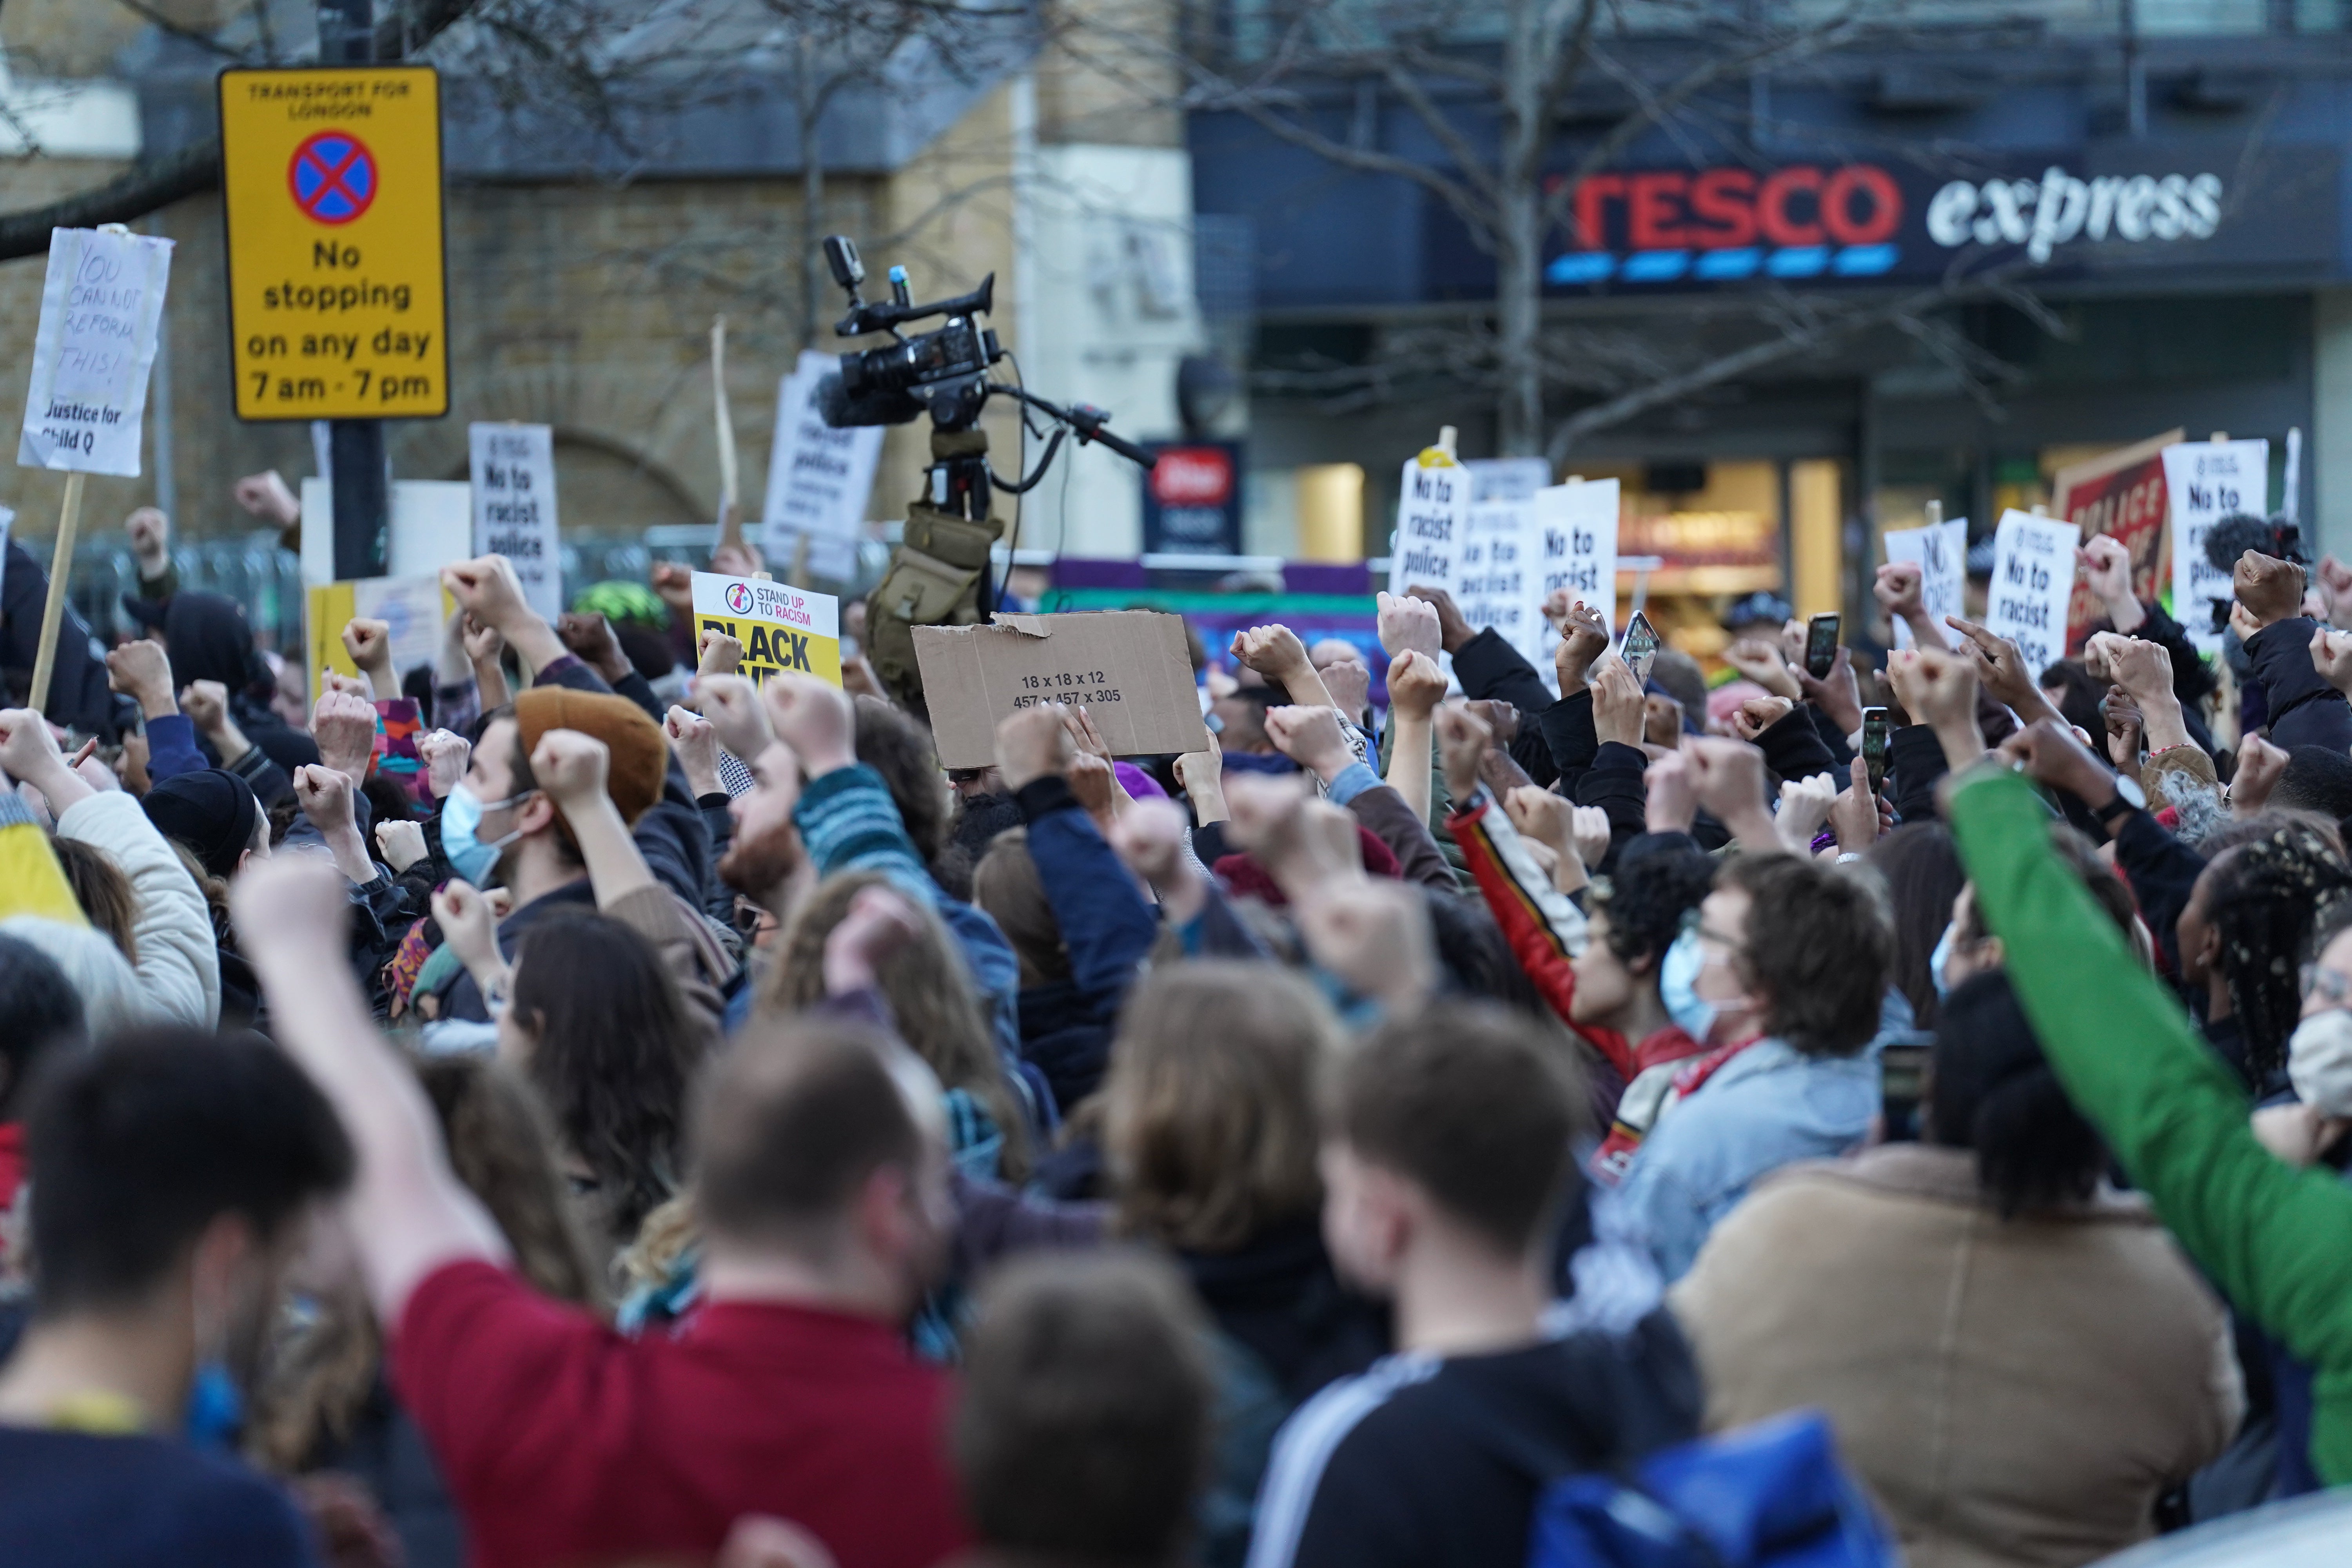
x: 1937, y: 960
x: 215, y: 1409
x: 461, y: 820
x: 1677, y: 983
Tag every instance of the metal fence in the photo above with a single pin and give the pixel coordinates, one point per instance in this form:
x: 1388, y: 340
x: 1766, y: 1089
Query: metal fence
x: 268, y: 581
x: 252, y: 570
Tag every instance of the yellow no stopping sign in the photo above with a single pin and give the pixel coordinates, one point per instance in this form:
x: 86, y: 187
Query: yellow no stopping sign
x: 331, y: 185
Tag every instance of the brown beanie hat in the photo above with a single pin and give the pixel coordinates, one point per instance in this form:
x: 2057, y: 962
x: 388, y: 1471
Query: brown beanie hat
x: 640, y: 755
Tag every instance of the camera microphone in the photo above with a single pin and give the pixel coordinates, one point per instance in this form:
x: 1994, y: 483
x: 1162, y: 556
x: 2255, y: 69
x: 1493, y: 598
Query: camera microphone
x: 2240, y: 532
x: 838, y: 409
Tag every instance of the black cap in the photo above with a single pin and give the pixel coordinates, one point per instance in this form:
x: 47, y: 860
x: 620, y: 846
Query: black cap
x: 1763, y: 607
x: 148, y: 613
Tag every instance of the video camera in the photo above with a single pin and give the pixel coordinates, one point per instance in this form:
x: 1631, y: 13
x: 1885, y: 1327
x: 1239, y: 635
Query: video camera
x: 941, y: 571
x: 943, y: 372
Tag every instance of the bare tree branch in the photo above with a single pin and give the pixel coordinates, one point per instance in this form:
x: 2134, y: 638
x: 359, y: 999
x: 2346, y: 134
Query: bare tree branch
x: 1722, y: 68
x: 158, y: 182
x: 1790, y: 344
x: 148, y: 186
x: 187, y: 34
x: 1568, y: 64
x: 1464, y: 201
x: 1444, y: 131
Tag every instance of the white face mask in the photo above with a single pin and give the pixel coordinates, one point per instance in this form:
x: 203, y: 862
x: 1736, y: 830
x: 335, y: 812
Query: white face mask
x: 1937, y: 959
x: 1678, y: 986
x: 2319, y: 1061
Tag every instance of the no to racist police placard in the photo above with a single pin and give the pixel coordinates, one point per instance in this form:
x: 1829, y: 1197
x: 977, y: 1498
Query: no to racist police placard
x: 2032, y: 579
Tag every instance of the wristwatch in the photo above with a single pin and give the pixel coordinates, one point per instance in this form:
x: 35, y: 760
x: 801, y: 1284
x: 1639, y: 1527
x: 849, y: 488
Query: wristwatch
x: 2129, y: 797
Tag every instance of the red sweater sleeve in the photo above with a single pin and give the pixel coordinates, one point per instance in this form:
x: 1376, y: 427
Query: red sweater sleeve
x: 1538, y: 947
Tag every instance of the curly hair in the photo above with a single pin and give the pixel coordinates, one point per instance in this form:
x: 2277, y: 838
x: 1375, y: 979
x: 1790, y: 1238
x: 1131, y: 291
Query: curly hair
x: 2267, y: 900
x: 1654, y: 889
x: 932, y: 1000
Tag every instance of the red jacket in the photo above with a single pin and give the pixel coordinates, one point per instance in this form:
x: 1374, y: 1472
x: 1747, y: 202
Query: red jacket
x: 1540, y: 924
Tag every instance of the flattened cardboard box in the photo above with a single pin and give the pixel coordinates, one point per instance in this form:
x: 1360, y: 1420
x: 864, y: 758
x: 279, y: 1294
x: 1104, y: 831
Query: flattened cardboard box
x: 1129, y: 667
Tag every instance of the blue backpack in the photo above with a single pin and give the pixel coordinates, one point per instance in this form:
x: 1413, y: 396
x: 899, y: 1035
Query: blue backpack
x: 1771, y: 1495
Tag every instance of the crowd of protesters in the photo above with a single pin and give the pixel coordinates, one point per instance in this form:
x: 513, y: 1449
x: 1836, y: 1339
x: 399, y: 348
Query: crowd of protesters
x: 673, y: 1120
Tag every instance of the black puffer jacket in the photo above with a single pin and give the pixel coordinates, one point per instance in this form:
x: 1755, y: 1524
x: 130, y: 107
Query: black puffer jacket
x: 1066, y: 1035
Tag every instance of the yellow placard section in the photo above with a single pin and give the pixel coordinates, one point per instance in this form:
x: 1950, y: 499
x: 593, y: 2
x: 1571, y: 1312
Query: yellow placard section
x: 327, y: 608
x: 407, y: 605
x: 331, y: 185
x: 770, y: 647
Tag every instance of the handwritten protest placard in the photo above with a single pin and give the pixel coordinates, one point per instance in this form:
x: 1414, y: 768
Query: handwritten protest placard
x: 1940, y: 551
x: 2207, y: 481
x: 514, y: 508
x: 101, y: 307
x: 818, y: 477
x: 2032, y: 578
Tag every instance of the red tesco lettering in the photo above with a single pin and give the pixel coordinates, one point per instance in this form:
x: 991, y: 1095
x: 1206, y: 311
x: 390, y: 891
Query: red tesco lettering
x: 1721, y: 209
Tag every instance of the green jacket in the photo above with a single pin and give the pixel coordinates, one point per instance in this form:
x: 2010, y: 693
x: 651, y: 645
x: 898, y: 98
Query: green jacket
x: 2275, y: 1239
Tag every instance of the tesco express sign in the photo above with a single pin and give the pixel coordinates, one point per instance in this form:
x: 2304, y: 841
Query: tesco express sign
x: 1858, y: 220
x: 2043, y: 214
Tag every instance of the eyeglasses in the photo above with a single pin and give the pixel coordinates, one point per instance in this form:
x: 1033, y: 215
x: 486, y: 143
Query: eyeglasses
x: 2332, y: 986
x: 751, y: 918
x: 1722, y: 941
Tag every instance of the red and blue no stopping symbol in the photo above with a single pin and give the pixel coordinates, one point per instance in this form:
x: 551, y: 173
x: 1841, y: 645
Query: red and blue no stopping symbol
x: 332, y: 177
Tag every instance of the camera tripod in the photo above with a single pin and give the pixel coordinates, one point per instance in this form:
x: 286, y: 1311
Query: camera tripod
x: 941, y: 573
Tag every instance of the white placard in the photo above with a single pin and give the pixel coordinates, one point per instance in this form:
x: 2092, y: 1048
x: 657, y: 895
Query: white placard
x: 514, y: 508
x: 1941, y: 554
x: 1576, y: 534
x: 411, y: 607
x: 2207, y: 481
x: 432, y: 525
x: 101, y: 308
x: 2032, y: 579
x: 1496, y: 579
x: 8, y: 521
x: 1433, y: 509
x: 818, y: 478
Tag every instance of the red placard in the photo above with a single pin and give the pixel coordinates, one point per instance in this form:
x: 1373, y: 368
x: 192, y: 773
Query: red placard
x: 2120, y: 494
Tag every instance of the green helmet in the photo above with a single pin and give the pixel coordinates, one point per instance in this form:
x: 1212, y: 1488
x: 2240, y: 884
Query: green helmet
x: 623, y: 603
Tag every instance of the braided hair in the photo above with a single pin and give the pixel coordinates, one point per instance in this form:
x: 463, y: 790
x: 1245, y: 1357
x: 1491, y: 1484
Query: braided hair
x: 2268, y: 898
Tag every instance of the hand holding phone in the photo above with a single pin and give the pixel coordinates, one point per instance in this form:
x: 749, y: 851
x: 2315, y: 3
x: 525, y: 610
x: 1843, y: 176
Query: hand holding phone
x: 1821, y: 645
x: 1640, y: 648
x: 1874, y: 747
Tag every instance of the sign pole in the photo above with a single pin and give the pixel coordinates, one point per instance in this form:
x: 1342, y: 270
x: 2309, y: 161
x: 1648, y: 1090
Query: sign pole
x: 103, y: 315
x: 45, y: 662
x: 730, y: 519
x: 359, y: 472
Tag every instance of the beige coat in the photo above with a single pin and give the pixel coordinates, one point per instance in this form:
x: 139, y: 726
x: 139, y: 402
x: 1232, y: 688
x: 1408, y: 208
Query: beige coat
x: 2013, y: 1392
